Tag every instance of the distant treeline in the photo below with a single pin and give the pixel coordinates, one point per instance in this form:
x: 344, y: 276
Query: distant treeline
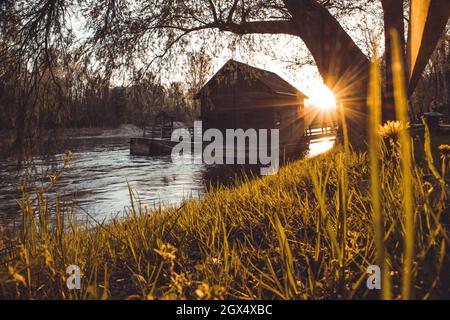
x: 77, y: 100
x: 38, y: 101
x: 433, y: 90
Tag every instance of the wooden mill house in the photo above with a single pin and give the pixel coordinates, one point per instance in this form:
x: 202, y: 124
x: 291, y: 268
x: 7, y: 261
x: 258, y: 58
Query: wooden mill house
x: 242, y: 96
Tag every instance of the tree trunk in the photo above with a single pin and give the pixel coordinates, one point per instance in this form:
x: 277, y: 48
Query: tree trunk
x: 343, y: 66
x: 393, y: 20
x: 446, y: 65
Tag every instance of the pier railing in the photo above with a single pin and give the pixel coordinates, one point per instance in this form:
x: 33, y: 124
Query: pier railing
x: 325, y: 129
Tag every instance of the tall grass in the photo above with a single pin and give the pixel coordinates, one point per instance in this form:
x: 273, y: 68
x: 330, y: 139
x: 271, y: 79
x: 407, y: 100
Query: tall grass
x: 309, y: 232
x: 401, y: 108
x: 279, y: 237
x: 374, y: 107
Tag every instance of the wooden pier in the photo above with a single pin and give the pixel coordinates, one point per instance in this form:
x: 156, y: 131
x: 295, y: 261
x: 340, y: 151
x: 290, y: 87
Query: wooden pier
x: 151, y: 146
x: 317, y: 132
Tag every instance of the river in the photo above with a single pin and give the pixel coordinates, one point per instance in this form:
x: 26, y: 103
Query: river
x: 97, y: 179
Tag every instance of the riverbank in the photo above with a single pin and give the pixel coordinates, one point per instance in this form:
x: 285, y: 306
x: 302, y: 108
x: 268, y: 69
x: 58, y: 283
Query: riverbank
x: 71, y: 134
x: 123, y: 130
x: 96, y: 180
x: 305, y: 233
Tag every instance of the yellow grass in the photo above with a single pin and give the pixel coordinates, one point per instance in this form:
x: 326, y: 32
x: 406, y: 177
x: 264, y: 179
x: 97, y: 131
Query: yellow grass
x: 309, y: 232
x: 374, y: 106
x: 401, y: 107
x: 279, y: 237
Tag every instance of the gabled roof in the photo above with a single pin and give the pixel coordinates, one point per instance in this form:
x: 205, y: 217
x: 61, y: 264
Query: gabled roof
x: 271, y: 80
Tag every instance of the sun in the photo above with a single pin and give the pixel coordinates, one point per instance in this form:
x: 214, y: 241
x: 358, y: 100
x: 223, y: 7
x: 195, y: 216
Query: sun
x: 322, y: 98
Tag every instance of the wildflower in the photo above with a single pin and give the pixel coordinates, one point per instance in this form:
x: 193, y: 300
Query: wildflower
x: 179, y: 282
x: 206, y: 292
x: 445, y: 151
x: 392, y: 129
x: 216, y: 261
x: 167, y: 252
x: 202, y: 291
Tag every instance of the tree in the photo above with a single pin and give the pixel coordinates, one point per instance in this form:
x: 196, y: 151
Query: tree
x: 166, y: 24
x: 199, y: 68
x: 34, y: 39
x: 433, y: 90
x: 146, y: 97
x: 125, y: 33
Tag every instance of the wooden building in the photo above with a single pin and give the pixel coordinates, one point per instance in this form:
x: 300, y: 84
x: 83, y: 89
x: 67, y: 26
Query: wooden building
x: 242, y: 96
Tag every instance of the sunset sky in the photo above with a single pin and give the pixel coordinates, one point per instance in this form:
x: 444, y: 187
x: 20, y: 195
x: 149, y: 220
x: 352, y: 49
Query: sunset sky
x: 288, y: 56
x: 285, y: 55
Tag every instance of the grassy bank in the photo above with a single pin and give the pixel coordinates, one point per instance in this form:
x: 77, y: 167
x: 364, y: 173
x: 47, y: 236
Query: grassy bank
x: 308, y: 232
x: 305, y: 233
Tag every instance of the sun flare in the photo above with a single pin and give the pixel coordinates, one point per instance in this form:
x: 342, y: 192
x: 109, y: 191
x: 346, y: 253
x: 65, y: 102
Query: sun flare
x: 322, y: 98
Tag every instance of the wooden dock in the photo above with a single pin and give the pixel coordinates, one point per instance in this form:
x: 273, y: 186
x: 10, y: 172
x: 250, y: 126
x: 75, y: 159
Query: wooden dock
x: 151, y: 146
x: 312, y: 133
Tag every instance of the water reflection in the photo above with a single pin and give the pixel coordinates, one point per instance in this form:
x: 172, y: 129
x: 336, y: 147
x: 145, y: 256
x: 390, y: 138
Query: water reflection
x: 319, y: 146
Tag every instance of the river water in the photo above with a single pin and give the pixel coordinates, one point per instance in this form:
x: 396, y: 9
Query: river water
x: 97, y: 179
